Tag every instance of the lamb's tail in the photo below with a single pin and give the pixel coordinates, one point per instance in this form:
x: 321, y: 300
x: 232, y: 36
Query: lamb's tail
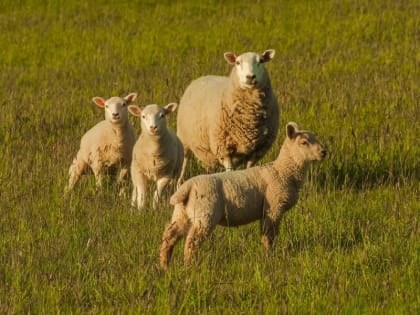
x: 182, y: 194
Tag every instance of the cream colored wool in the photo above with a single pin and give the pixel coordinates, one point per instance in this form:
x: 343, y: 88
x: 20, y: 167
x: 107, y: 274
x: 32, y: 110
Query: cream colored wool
x: 108, y: 144
x: 228, y: 121
x: 235, y: 198
x: 157, y: 154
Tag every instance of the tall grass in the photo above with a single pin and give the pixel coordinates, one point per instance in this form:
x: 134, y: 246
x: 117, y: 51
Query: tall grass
x: 348, y: 70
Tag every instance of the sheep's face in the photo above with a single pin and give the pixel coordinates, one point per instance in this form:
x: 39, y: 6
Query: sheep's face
x: 303, y: 145
x: 115, y: 107
x: 153, y: 117
x: 249, y: 67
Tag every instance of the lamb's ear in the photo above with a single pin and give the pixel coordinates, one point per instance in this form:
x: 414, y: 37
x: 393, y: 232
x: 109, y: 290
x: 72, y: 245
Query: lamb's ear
x: 230, y: 57
x: 170, y: 108
x: 130, y: 98
x: 99, y: 101
x: 267, y: 55
x: 291, y: 129
x: 134, y: 110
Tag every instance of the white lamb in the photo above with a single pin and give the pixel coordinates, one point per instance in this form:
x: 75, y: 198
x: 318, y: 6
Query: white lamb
x: 108, y: 144
x: 157, y: 154
x: 234, y: 198
x: 230, y: 120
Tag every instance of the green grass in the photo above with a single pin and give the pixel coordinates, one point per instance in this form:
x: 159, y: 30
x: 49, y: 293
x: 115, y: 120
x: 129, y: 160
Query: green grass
x: 348, y: 70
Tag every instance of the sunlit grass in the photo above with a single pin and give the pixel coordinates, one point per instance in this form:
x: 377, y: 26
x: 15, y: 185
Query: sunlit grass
x: 347, y: 70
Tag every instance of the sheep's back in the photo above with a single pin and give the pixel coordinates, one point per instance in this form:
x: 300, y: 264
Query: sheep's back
x: 197, y: 114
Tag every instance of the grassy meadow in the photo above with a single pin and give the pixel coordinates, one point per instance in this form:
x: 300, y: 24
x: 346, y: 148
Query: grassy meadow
x: 347, y: 70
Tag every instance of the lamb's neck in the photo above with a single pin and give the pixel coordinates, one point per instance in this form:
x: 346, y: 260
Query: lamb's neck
x: 293, y: 172
x: 119, y: 129
x: 157, y: 142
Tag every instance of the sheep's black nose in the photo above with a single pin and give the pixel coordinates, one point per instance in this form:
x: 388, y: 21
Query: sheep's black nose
x: 251, y: 77
x: 323, y: 153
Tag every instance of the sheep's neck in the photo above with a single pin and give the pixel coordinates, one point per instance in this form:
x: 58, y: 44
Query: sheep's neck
x: 293, y: 173
x: 119, y: 129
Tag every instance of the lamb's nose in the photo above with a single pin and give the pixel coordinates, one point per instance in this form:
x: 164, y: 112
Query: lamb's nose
x: 323, y: 153
x: 153, y: 128
x: 115, y: 115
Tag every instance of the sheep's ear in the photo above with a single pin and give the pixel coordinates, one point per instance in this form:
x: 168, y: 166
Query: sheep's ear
x: 230, y: 57
x: 267, y: 55
x: 291, y: 129
x: 134, y: 110
x: 170, y: 108
x: 130, y: 98
x: 99, y: 101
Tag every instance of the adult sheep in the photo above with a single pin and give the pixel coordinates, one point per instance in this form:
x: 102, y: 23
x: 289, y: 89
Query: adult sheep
x: 227, y: 121
x: 235, y: 198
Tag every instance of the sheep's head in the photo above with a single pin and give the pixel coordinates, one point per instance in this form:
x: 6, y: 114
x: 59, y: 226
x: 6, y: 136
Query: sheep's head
x: 153, y: 117
x: 250, y: 67
x: 303, y: 145
x: 115, y: 107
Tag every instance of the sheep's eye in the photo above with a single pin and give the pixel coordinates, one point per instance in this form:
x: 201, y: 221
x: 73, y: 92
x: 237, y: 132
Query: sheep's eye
x: 161, y: 115
x: 238, y: 62
x: 143, y: 116
x: 106, y: 106
x: 304, y: 142
x: 123, y: 104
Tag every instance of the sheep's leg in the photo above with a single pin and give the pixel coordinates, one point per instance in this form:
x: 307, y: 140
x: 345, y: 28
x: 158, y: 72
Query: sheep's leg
x: 75, y: 171
x: 97, y: 170
x: 139, y: 190
x: 162, y: 183
x: 121, y: 176
x: 196, y: 235
x: 172, y: 234
x: 269, y: 229
x: 187, y: 154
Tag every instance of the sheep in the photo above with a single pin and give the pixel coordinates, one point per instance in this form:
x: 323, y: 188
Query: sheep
x: 157, y: 154
x: 239, y: 197
x: 108, y: 144
x: 227, y: 121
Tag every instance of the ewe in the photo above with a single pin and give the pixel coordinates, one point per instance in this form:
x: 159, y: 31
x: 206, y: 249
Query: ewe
x: 234, y: 198
x: 108, y: 144
x: 230, y: 120
x: 157, y: 154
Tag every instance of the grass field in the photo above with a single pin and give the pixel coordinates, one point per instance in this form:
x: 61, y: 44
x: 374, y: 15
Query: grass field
x: 347, y: 70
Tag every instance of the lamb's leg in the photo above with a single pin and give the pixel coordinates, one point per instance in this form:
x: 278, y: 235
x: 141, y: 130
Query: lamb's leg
x: 174, y: 231
x: 120, y: 179
x: 161, y: 184
x: 75, y: 171
x: 269, y: 230
x: 187, y: 154
x: 196, y: 235
x: 97, y: 169
x: 139, y: 190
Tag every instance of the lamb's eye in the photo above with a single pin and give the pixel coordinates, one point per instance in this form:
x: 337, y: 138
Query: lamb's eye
x: 304, y: 142
x: 106, y: 106
x: 238, y: 62
x: 161, y: 115
x: 143, y: 116
x: 123, y: 104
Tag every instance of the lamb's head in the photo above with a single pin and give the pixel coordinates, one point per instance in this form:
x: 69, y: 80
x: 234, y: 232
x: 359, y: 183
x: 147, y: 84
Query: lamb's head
x: 249, y: 67
x: 153, y: 117
x: 302, y: 145
x: 115, y: 107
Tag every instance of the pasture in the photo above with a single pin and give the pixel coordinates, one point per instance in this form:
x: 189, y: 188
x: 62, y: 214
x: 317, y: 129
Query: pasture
x: 347, y: 70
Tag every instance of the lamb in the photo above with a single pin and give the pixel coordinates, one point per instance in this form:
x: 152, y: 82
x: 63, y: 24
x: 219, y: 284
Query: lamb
x: 108, y: 144
x: 157, y: 154
x: 227, y: 121
x: 235, y: 198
